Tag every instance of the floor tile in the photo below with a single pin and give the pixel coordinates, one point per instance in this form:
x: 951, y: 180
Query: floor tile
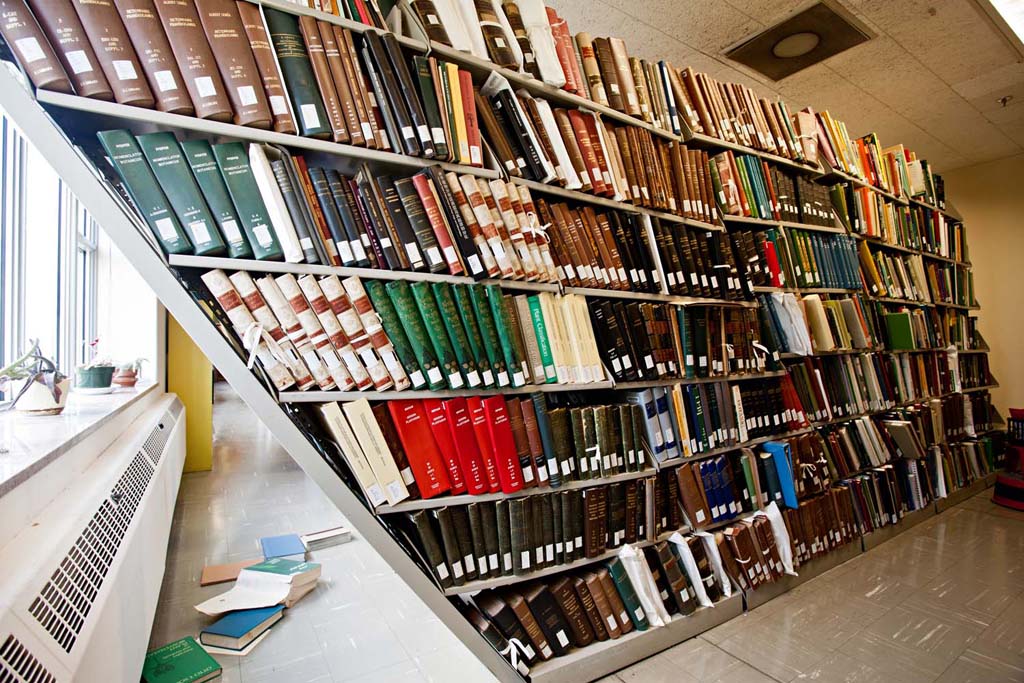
x: 839, y: 667
x: 781, y: 655
x: 972, y: 667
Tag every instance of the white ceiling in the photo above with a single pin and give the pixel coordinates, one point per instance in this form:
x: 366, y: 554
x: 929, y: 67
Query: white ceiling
x: 931, y: 79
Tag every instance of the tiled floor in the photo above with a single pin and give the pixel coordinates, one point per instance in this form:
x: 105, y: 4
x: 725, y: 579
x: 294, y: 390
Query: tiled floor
x: 942, y: 602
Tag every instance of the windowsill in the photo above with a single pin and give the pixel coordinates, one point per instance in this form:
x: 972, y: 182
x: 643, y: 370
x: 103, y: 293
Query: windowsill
x: 28, y: 443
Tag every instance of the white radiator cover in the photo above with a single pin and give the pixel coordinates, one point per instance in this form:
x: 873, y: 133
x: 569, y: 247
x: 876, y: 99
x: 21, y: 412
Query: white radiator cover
x: 81, y: 582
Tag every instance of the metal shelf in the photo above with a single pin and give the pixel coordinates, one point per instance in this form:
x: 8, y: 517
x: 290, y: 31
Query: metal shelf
x: 706, y: 141
x: 663, y: 298
x: 770, y: 223
x: 672, y: 462
x: 328, y: 396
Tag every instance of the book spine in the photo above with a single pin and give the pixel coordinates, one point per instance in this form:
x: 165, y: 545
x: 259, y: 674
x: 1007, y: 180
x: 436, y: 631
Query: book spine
x: 233, y: 162
x: 207, y: 173
x: 114, y: 51
x: 324, y: 80
x: 432, y: 319
x: 297, y: 73
x: 374, y: 331
x: 405, y: 306
x: 266, y: 64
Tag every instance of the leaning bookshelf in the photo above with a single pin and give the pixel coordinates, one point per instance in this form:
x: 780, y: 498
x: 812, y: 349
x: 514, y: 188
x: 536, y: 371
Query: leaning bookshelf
x: 594, y: 369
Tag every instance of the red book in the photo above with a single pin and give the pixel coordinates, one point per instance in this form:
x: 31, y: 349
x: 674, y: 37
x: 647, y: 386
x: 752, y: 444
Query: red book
x: 428, y: 468
x: 478, y: 418
x: 438, y: 422
x: 503, y: 443
x: 773, y: 264
x: 428, y: 196
x: 590, y: 121
x: 476, y: 157
x: 563, y: 48
x: 471, y: 463
x: 579, y: 127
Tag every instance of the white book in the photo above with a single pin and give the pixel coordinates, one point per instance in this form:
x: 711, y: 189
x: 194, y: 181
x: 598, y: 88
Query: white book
x: 371, y: 441
x: 338, y: 427
x: 471, y: 21
x: 280, y: 219
x: 542, y: 40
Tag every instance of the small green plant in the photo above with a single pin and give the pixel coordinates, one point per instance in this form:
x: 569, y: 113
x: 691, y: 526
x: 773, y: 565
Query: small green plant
x: 32, y: 366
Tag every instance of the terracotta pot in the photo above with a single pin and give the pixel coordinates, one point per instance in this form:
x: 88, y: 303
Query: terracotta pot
x: 38, y: 400
x: 126, y: 379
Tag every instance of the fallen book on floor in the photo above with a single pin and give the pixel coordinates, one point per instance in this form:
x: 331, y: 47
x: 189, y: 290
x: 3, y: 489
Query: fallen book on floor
x: 274, y: 582
x: 222, y: 573
x: 319, y: 540
x: 182, y: 661
x: 228, y: 652
x: 288, y: 546
x: 238, y: 629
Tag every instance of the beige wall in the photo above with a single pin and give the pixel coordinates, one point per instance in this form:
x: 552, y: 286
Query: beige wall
x: 990, y: 197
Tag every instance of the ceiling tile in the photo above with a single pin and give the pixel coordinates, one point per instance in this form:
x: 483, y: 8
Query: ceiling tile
x: 706, y: 25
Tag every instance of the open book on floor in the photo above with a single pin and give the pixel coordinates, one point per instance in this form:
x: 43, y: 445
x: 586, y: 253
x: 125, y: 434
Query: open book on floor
x: 274, y: 582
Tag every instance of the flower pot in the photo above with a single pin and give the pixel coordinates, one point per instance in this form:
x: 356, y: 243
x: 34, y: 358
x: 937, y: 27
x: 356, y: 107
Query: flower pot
x: 38, y: 399
x: 95, y: 380
x: 126, y: 379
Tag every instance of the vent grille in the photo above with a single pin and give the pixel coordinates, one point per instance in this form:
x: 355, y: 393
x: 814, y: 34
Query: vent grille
x: 17, y: 665
x: 64, y: 603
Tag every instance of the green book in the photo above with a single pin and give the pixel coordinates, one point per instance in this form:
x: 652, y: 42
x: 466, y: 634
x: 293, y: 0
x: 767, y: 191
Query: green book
x: 541, y: 332
x: 396, y: 333
x: 899, y: 331
x: 686, y: 342
x: 503, y: 325
x: 425, y: 81
x: 405, y: 307
x: 628, y: 594
x: 464, y: 304
x: 516, y: 329
x: 456, y: 332
x: 233, y: 161
x: 627, y: 442
x: 489, y: 332
x: 204, y: 167
x: 431, y: 316
x: 183, y: 661
x: 590, y: 442
x: 145, y: 191
x: 172, y: 172
x: 579, y: 444
x: 637, y: 415
x: 297, y: 73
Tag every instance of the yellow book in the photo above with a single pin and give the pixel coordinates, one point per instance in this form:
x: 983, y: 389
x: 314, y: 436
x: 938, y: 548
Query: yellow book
x: 458, y: 112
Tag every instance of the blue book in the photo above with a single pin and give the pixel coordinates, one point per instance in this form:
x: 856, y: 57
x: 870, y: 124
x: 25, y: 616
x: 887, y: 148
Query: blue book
x: 782, y: 459
x: 288, y: 545
x: 238, y: 629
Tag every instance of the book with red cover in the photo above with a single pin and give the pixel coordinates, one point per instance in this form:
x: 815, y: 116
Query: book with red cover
x: 773, y: 263
x: 471, y: 462
x: 503, y: 444
x: 478, y: 418
x: 476, y: 155
x: 438, y: 421
x: 424, y: 188
x: 579, y: 128
x: 413, y: 429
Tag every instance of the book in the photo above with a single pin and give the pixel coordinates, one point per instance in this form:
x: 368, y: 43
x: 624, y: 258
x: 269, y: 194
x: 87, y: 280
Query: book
x: 114, y: 51
x: 288, y: 546
x: 222, y: 573
x: 266, y: 64
x: 297, y: 73
x: 236, y: 630
x: 195, y: 59
x: 182, y: 661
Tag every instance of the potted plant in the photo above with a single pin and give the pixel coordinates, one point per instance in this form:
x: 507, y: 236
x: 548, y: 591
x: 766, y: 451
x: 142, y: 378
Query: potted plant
x: 127, y: 374
x: 38, y: 386
x: 95, y: 376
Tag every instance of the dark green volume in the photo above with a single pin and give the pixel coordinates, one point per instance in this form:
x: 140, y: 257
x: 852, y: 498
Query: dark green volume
x: 233, y: 160
x: 138, y: 178
x: 172, y: 172
x: 627, y: 593
x: 396, y: 333
x: 204, y: 167
x: 456, y: 332
x: 547, y: 439
x: 297, y: 71
x: 464, y: 304
x: 489, y: 334
x: 438, y: 337
x: 504, y: 327
x: 430, y: 106
x: 408, y: 314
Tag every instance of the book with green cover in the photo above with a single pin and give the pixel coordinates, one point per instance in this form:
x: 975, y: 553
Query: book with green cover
x: 686, y: 341
x: 456, y: 332
x: 425, y: 82
x: 628, y: 594
x: 183, y: 661
x: 431, y: 316
x: 233, y: 160
x: 127, y: 159
x: 464, y: 305
x: 637, y: 414
x: 204, y: 167
x: 179, y: 185
x: 396, y: 333
x: 405, y: 307
x: 503, y: 325
x: 297, y: 73
x: 489, y: 332
x: 517, y: 328
x: 579, y: 444
x: 541, y: 332
x: 547, y: 439
x: 899, y: 331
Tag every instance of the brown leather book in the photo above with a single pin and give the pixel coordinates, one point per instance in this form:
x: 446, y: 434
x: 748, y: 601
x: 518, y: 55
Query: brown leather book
x: 579, y: 626
x: 324, y: 79
x: 263, y: 53
x: 700, y: 556
x: 235, y: 61
x: 586, y: 601
x: 337, y: 65
x: 592, y: 582
x: 529, y: 623
x: 644, y: 97
x: 494, y: 36
x: 496, y: 134
x: 156, y: 56
x: 593, y: 169
x: 515, y: 22
x: 595, y: 521
x: 609, y: 75
x: 615, y: 603
x: 502, y: 615
x: 621, y: 60
x: 431, y: 22
x: 591, y: 69
x: 700, y: 107
x: 67, y: 37
x: 552, y: 623
x: 729, y: 563
x: 115, y: 53
x: 195, y: 59
x: 692, y: 496
x: 572, y: 146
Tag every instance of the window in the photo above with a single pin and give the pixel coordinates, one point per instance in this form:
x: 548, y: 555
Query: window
x: 48, y: 259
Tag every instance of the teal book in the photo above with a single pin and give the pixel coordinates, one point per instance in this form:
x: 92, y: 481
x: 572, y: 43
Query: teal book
x: 503, y: 325
x: 297, y: 73
x: 396, y: 333
x: 204, y: 167
x: 540, y: 330
x: 183, y: 661
x: 464, y: 305
x: 489, y: 333
x: 179, y: 185
x: 233, y: 161
x: 628, y: 594
x: 127, y: 159
x: 686, y: 341
x: 456, y: 333
x: 236, y: 630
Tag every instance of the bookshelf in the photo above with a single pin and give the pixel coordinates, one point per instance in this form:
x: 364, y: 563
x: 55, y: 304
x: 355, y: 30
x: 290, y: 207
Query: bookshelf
x: 55, y: 122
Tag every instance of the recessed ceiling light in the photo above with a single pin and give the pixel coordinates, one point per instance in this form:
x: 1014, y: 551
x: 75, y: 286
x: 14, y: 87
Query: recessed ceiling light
x: 796, y: 45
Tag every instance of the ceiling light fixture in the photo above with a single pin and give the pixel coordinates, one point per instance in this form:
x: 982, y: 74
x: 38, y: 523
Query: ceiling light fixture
x: 796, y: 45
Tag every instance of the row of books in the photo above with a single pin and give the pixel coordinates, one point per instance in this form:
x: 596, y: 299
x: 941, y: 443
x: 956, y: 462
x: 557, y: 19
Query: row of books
x: 967, y: 461
x: 950, y: 284
x: 699, y: 263
x: 799, y: 258
x: 863, y: 211
x: 974, y: 371
x: 834, y: 387
x: 754, y: 188
x: 893, y: 275
x: 941, y: 235
x: 812, y: 325
x: 911, y: 329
